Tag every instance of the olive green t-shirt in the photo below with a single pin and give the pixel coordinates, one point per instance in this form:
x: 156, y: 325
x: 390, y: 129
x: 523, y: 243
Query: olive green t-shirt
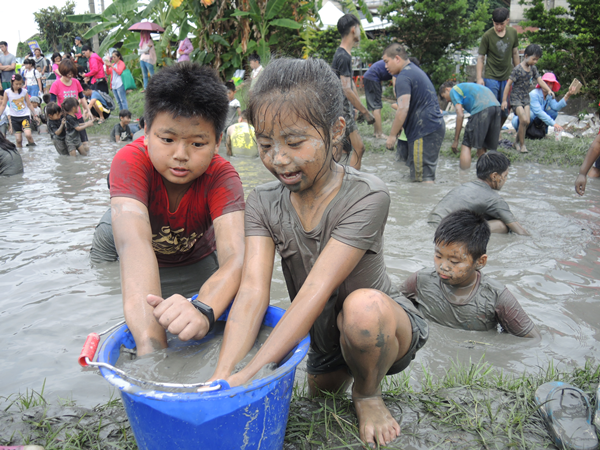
x: 499, y: 53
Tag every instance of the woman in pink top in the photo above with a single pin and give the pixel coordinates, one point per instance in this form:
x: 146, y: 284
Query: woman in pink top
x: 68, y: 86
x: 147, y: 57
x: 184, y: 50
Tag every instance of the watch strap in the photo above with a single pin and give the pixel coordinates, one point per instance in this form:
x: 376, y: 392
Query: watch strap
x: 207, y: 311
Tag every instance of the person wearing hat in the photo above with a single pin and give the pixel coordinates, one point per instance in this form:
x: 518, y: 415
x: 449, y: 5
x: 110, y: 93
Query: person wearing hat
x: 544, y: 108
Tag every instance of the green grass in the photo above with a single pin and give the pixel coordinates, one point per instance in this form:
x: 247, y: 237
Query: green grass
x: 472, y: 406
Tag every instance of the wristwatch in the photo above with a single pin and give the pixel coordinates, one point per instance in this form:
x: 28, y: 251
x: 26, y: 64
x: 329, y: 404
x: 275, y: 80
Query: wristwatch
x: 207, y: 311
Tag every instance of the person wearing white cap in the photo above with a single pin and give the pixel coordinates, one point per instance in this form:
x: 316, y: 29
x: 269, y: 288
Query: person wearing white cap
x: 544, y: 108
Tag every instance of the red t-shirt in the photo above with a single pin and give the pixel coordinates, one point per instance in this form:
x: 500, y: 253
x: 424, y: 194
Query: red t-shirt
x: 186, y: 235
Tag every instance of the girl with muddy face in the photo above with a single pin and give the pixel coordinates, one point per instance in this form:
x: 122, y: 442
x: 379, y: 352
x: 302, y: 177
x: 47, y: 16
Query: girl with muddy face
x: 327, y: 222
x: 296, y: 110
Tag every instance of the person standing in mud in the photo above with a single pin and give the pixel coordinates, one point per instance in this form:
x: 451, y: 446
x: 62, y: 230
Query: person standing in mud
x: 499, y: 50
x: 372, y: 80
x: 418, y: 114
x: 327, y: 223
x: 349, y: 28
x: 483, y: 128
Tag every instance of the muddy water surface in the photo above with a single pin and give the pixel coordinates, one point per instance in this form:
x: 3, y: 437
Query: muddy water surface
x: 53, y: 297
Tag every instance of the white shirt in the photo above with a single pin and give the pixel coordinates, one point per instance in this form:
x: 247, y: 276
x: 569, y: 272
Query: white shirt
x: 31, y: 76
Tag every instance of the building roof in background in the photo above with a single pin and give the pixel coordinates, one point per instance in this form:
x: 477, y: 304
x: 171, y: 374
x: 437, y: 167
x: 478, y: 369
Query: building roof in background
x: 330, y: 14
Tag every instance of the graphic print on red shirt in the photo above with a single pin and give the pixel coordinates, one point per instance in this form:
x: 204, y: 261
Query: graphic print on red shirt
x: 187, y: 235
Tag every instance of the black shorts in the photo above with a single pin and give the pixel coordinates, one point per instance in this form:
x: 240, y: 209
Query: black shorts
x: 320, y: 364
x: 423, y: 155
x: 105, y: 115
x: 483, y: 129
x: 597, y: 163
x: 349, y: 117
x: 82, y: 134
x: 373, y: 93
x: 185, y: 280
x: 19, y: 124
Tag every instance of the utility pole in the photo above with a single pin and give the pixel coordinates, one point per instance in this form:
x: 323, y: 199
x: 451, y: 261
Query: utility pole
x: 101, y: 6
x: 95, y: 43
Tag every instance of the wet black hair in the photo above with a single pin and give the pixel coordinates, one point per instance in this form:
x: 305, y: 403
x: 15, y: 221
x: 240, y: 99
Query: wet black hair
x: 187, y: 90
x: 142, y: 122
x: 52, y: 108
x: 16, y: 77
x: 491, y: 162
x: 69, y: 104
x: 5, y: 144
x: 254, y: 57
x: 464, y: 227
x: 47, y: 98
x: 230, y: 85
x: 499, y: 15
x: 345, y: 24
x: 446, y: 85
x: 67, y: 66
x: 54, y: 56
x: 85, y: 48
x: 307, y: 88
x: 124, y: 113
x: 533, y: 50
x: 394, y: 50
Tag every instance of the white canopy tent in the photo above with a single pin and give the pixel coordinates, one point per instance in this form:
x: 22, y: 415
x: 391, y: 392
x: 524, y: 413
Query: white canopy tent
x: 330, y: 14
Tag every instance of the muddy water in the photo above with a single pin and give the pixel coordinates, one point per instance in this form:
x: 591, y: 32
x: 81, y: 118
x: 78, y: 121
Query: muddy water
x: 52, y: 296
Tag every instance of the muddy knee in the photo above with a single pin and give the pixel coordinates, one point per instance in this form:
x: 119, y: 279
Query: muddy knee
x: 365, y: 316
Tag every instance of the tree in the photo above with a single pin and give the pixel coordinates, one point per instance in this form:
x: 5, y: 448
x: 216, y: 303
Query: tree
x: 437, y: 33
x: 570, y: 40
x: 55, y: 29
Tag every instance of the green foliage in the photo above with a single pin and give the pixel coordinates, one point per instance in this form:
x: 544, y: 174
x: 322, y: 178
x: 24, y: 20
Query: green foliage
x: 22, y: 49
x: 570, y: 40
x: 325, y: 43
x: 371, y: 50
x: 493, y: 4
x: 437, y: 33
x: 55, y: 29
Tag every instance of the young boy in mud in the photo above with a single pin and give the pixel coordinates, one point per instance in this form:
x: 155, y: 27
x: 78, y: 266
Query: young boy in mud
x: 483, y: 128
x: 327, y: 222
x: 520, y: 82
x: 174, y: 203
x: 455, y: 293
x: 481, y: 196
x: 418, y: 114
x: 349, y: 28
x: 590, y: 166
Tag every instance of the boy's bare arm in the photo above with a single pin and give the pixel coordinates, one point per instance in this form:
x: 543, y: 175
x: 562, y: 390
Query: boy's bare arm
x: 592, y: 155
x: 459, y: 123
x: 228, y: 145
x: 515, y: 57
x: 545, y: 87
x: 399, y: 119
x: 85, y: 125
x: 332, y: 267
x: 516, y: 227
x: 177, y: 315
x: 351, y: 96
x: 479, y: 68
x: 139, y: 272
x: 504, y: 105
x: 250, y: 305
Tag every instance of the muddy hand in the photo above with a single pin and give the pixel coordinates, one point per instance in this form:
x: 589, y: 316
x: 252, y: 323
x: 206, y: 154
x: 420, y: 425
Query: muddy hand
x: 454, y: 147
x: 390, y: 142
x: 178, y: 316
x: 369, y: 118
x: 580, y: 183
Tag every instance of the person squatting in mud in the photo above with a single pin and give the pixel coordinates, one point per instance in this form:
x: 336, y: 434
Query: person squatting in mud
x: 327, y: 222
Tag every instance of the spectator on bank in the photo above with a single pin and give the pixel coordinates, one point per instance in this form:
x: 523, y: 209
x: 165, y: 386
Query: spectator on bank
x: 32, y: 77
x: 96, y: 74
x: 42, y: 65
x: 8, y: 62
x: 115, y: 68
x: 80, y: 59
x: 147, y: 57
x: 184, y: 50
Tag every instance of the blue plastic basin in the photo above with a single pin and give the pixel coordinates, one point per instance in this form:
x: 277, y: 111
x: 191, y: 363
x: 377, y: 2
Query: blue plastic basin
x: 247, y: 417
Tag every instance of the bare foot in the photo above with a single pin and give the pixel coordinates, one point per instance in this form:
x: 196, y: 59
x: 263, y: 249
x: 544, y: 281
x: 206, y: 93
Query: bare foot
x: 523, y: 149
x: 380, y: 136
x: 517, y: 146
x: 375, y: 422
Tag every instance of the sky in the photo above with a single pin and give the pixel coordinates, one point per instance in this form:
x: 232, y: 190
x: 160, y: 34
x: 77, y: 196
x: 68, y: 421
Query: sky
x: 21, y: 20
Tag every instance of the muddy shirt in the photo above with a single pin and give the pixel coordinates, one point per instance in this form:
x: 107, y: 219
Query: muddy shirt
x: 473, y: 97
x: 355, y: 217
x: 424, y: 115
x: 499, y: 53
x: 490, y: 303
x: 522, y: 84
x: 54, y: 125
x: 10, y: 162
x: 476, y: 196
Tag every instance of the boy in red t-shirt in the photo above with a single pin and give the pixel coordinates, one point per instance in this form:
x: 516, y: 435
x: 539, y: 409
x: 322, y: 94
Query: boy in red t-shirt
x: 174, y: 202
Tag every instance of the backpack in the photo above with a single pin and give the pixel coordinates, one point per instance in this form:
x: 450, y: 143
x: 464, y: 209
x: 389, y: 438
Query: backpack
x: 110, y: 105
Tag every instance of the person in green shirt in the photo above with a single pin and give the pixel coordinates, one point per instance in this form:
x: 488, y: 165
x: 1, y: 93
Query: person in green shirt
x: 499, y: 49
x: 81, y: 60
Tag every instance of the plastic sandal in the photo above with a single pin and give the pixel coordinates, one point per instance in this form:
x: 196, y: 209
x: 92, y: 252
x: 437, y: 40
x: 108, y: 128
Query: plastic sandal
x: 567, y: 413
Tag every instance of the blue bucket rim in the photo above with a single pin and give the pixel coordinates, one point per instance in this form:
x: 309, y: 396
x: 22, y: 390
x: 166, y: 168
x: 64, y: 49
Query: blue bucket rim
x: 297, y: 354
